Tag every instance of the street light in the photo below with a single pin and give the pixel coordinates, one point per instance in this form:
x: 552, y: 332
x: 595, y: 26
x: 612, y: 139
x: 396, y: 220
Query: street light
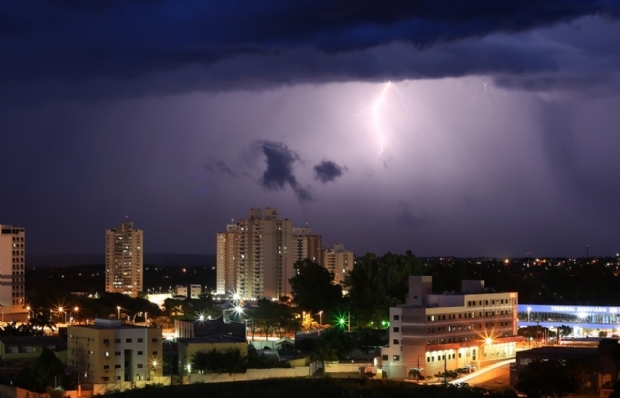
x: 118, y: 309
x: 321, y: 318
x: 76, y: 309
x: 30, y: 310
x: 61, y: 310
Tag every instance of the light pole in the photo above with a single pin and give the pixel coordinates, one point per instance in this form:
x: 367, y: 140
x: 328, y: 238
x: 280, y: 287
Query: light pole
x: 321, y: 318
x: 30, y: 310
x: 118, y: 309
x: 76, y: 309
x: 529, y: 309
x: 60, y: 311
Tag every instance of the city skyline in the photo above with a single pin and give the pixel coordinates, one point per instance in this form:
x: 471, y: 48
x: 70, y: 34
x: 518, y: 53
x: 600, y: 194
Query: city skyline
x: 444, y: 128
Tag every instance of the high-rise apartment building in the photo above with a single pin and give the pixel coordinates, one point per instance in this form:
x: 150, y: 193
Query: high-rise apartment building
x: 257, y: 254
x: 338, y: 261
x: 124, y: 260
x: 12, y: 265
x: 307, y: 245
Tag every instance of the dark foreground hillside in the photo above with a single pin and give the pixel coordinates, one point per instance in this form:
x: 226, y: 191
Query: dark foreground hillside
x: 311, y: 388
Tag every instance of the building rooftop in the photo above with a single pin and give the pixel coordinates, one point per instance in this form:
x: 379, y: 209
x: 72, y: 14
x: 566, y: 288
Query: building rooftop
x: 47, y: 341
x: 214, y: 339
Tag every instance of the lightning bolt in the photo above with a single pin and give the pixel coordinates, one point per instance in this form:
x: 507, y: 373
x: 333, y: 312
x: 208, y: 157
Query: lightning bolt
x: 375, y: 116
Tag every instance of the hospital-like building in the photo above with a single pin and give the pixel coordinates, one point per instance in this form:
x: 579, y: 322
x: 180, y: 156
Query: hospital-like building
x: 449, y: 330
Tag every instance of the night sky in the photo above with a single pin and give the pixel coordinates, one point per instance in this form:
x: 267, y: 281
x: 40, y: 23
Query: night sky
x: 497, y: 136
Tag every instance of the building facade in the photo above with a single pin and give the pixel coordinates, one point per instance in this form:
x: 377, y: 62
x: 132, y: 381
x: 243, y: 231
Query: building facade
x: 109, y: 352
x: 258, y: 254
x: 338, y: 261
x: 433, y: 332
x: 124, y: 260
x: 586, y: 320
x: 307, y: 245
x: 12, y: 265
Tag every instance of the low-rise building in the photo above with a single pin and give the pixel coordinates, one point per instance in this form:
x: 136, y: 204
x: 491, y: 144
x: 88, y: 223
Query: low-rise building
x: 188, y: 348
x: 14, y: 349
x: 195, y: 291
x: 109, y: 352
x: 449, y: 330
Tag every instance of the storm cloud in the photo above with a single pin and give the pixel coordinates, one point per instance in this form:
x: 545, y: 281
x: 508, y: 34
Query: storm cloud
x: 85, y: 50
x: 328, y: 171
x: 281, y: 162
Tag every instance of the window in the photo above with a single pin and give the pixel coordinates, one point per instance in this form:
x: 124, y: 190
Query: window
x: 397, y: 317
x: 107, y: 353
x: 117, y: 341
x: 395, y: 342
x: 396, y: 358
x: 117, y: 353
x: 140, y: 365
x: 140, y: 352
x: 154, y: 340
x: 396, y: 329
x: 154, y: 353
x: 385, y: 357
x: 140, y: 340
x: 105, y: 378
x: 106, y: 341
x: 127, y: 340
x: 106, y: 367
x: 117, y: 366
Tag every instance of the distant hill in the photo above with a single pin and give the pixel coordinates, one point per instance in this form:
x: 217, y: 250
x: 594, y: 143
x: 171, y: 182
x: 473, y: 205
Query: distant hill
x: 68, y: 260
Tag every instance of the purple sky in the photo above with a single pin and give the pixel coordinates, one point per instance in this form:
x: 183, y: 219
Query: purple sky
x: 499, y: 127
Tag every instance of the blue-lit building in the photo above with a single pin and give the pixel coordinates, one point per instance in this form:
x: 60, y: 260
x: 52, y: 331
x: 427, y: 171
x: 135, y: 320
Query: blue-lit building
x: 585, y: 320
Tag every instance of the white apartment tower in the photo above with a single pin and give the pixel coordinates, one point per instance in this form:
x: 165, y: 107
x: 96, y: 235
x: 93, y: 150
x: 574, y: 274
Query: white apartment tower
x: 307, y: 245
x: 123, y: 260
x: 12, y: 265
x: 338, y: 261
x: 258, y: 254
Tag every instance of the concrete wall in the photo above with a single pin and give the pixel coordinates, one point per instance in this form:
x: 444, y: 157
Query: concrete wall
x: 250, y: 374
x: 335, y: 367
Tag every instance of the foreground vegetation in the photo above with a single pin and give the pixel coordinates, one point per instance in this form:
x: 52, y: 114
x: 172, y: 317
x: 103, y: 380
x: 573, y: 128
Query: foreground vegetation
x: 312, y: 388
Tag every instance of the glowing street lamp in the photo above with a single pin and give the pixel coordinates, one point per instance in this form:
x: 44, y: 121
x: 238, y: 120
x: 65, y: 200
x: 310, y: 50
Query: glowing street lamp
x: 321, y: 318
x: 30, y: 310
x: 61, y: 310
x: 118, y: 309
x: 76, y: 309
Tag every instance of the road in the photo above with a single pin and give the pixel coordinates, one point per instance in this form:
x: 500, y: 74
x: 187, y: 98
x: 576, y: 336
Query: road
x: 486, y: 374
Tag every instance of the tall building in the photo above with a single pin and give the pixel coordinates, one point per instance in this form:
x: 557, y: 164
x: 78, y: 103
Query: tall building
x: 12, y: 265
x: 338, y: 261
x: 449, y: 330
x: 226, y: 260
x: 109, y: 352
x: 257, y: 255
x: 123, y: 260
x: 307, y: 245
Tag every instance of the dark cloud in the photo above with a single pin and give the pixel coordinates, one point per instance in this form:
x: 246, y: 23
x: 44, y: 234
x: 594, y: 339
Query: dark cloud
x: 328, y: 171
x: 125, y: 40
x: 279, y: 173
x: 218, y: 167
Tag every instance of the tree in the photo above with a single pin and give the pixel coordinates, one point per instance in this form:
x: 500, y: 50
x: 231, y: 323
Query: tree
x: 564, y: 331
x: 546, y: 379
x: 313, y: 288
x: 375, y: 286
x: 47, y: 371
x: 333, y: 345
